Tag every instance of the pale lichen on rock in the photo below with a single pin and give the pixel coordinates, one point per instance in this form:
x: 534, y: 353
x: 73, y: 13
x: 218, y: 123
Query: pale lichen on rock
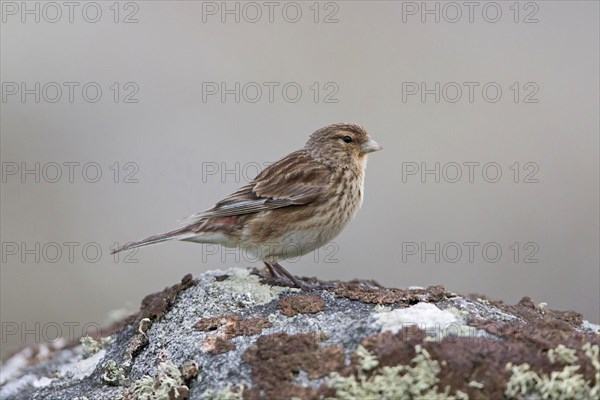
x: 416, y: 380
x: 230, y: 335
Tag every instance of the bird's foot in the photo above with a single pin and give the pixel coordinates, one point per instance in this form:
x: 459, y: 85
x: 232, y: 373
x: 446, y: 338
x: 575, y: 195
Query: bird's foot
x: 284, y: 282
x: 270, y: 276
x: 274, y: 276
x: 278, y: 270
x: 263, y: 273
x: 267, y: 277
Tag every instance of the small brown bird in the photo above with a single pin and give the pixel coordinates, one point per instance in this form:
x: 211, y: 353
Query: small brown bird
x: 293, y: 206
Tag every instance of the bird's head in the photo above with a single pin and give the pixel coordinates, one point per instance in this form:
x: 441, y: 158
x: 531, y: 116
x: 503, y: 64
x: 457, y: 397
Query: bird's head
x: 341, y: 144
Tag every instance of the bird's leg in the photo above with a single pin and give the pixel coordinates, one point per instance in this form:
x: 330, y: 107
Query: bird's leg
x: 271, y: 270
x: 269, y: 274
x: 277, y: 267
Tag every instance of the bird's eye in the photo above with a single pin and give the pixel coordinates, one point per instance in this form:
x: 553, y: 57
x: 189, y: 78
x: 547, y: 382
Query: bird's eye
x: 347, y: 139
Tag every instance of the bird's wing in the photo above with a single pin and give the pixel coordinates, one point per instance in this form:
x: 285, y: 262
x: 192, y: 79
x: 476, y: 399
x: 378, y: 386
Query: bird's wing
x: 294, y: 180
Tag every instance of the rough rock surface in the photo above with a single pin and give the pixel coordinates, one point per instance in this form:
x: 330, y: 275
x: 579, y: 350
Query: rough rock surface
x: 226, y: 335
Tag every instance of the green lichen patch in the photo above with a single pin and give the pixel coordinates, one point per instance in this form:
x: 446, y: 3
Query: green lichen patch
x: 91, y: 346
x: 564, y: 384
x: 229, y: 392
x: 113, y: 373
x: 241, y: 281
x: 562, y: 354
x: 417, y: 379
x: 168, y: 384
x: 483, y: 361
x: 301, y: 304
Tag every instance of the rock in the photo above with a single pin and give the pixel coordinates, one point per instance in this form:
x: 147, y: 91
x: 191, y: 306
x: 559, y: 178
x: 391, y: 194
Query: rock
x: 226, y: 335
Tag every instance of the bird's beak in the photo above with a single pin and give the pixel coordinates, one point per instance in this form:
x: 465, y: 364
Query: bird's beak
x: 371, y: 146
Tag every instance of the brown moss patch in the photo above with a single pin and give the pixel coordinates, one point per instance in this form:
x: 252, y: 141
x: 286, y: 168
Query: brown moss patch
x: 136, y: 345
x: 157, y: 304
x: 189, y: 371
x: 210, y: 324
x: 301, y: 304
x: 180, y: 393
x: 530, y: 312
x: 227, y: 327
x: 216, y: 345
x: 231, y: 325
x: 481, y: 359
x: 277, y: 359
x: 542, y: 327
x: 372, y: 292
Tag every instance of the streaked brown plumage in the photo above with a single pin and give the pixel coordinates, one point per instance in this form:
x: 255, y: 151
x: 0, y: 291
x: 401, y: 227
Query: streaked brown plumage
x: 292, y: 207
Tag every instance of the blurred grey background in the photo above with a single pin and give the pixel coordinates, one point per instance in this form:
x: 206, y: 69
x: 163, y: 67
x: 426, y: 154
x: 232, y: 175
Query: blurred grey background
x: 167, y: 144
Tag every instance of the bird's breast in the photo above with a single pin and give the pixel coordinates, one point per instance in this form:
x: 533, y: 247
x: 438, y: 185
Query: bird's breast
x: 348, y: 198
x: 296, y: 230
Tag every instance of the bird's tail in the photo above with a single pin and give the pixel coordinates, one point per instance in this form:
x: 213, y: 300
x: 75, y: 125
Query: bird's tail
x: 177, y: 234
